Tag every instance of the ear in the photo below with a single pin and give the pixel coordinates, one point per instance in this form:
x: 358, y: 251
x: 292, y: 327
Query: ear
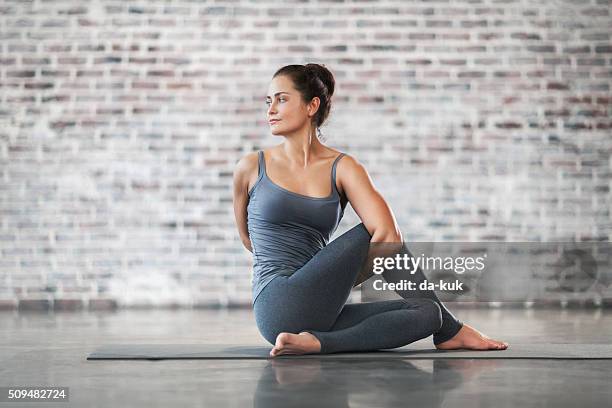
x: 313, y: 106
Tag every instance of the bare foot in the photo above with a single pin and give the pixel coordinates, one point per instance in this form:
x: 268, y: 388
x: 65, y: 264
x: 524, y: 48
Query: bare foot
x: 289, y: 343
x: 470, y: 338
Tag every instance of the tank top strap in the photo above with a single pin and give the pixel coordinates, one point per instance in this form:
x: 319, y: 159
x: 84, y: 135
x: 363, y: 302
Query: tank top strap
x: 333, y: 178
x: 262, y: 164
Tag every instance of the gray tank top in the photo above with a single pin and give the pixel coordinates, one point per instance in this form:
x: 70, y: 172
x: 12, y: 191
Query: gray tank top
x: 287, y: 229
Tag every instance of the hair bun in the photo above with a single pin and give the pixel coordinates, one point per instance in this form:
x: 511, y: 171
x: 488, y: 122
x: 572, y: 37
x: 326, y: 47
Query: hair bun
x: 312, y: 70
x: 321, y: 72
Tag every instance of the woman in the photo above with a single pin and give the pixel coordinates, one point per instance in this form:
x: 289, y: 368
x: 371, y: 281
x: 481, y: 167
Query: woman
x: 286, y: 214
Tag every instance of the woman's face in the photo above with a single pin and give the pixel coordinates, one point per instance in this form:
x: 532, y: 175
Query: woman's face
x: 286, y: 105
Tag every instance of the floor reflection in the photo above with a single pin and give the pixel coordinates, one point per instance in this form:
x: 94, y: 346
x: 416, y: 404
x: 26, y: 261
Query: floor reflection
x: 304, y: 382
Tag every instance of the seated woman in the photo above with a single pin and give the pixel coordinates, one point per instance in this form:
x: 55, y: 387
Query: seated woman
x: 286, y: 214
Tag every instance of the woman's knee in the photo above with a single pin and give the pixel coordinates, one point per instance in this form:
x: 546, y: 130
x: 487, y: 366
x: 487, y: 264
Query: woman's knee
x: 359, y: 231
x: 362, y: 228
x: 267, y: 332
x: 267, y: 325
x: 270, y: 327
x: 361, y: 238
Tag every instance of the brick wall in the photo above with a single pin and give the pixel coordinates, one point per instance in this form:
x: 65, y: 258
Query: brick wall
x: 121, y: 123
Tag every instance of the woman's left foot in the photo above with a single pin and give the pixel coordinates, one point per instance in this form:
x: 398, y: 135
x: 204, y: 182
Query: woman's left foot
x: 289, y: 343
x: 470, y: 338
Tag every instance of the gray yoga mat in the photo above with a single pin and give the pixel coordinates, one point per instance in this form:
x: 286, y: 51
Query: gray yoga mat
x: 562, y: 351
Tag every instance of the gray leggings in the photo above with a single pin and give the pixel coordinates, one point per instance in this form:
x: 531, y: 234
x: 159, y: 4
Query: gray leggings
x: 313, y: 299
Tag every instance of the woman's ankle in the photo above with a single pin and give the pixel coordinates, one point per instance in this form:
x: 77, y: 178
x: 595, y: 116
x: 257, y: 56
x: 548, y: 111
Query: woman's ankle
x: 444, y: 334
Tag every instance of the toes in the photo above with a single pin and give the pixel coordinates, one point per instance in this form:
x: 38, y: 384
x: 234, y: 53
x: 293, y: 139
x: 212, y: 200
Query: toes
x: 502, y: 344
x: 499, y: 345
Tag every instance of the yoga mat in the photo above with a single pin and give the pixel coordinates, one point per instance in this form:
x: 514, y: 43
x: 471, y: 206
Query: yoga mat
x: 561, y: 351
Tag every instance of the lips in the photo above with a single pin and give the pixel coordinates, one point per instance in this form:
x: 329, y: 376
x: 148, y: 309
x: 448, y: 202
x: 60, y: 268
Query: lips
x: 273, y: 121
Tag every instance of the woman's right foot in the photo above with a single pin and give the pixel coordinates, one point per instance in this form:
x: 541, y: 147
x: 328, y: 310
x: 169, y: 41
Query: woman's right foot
x: 289, y: 343
x: 471, y: 339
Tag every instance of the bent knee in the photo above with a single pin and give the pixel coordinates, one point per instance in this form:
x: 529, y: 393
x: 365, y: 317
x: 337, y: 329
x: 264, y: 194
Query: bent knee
x: 267, y: 329
x: 362, y: 228
x: 269, y: 335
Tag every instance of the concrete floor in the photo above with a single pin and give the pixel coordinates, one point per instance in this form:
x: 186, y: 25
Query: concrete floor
x: 50, y: 350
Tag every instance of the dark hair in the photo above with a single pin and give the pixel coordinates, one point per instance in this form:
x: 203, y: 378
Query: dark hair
x: 312, y: 80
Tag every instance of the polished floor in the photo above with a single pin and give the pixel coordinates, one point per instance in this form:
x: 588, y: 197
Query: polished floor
x: 50, y: 349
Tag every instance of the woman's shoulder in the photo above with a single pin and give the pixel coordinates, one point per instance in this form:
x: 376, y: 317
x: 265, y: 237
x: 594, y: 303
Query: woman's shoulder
x: 247, y: 164
x: 249, y: 159
x: 347, y: 160
x: 349, y: 167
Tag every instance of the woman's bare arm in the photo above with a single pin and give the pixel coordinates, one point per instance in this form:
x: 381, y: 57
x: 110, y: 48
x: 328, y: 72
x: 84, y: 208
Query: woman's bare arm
x: 245, y: 169
x: 367, y: 202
